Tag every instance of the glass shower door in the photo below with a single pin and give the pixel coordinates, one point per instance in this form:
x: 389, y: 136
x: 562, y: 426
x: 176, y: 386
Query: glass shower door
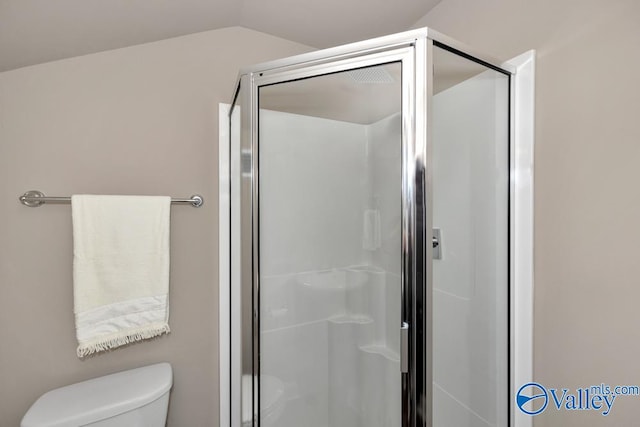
x: 329, y: 173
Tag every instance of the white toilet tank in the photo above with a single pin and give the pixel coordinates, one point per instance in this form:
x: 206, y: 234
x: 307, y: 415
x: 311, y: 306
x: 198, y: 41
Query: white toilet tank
x: 135, y: 398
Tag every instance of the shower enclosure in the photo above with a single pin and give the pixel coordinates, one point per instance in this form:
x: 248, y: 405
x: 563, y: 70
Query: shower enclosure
x: 370, y: 238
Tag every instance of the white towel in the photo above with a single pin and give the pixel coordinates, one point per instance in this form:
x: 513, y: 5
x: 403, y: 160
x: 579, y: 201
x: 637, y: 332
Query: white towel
x: 120, y: 269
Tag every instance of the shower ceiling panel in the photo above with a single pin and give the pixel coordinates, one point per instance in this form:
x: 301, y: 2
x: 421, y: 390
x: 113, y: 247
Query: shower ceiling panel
x: 335, y: 96
x: 358, y: 96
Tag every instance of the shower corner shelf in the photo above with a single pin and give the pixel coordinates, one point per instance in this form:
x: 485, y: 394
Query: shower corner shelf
x: 381, y: 350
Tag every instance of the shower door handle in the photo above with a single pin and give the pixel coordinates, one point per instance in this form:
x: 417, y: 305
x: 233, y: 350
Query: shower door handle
x: 404, y: 347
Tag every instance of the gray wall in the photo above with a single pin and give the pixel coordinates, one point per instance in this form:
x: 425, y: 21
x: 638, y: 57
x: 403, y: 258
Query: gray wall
x: 587, y: 204
x: 139, y: 120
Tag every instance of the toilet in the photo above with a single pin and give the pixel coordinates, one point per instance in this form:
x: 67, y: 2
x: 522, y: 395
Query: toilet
x: 271, y: 401
x: 135, y: 398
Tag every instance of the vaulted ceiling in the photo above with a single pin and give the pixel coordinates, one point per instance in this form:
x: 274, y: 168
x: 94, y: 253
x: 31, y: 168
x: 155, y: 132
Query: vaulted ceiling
x: 36, y: 31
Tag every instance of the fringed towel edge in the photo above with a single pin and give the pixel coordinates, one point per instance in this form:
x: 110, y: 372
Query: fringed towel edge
x: 121, y: 338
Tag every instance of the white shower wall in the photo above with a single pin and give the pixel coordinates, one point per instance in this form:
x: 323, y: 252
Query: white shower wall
x: 329, y: 307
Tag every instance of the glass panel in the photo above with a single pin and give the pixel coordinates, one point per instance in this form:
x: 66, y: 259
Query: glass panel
x: 330, y: 255
x: 241, y: 259
x: 470, y: 150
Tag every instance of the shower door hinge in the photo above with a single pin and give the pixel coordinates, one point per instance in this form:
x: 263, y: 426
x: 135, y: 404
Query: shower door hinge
x: 404, y: 347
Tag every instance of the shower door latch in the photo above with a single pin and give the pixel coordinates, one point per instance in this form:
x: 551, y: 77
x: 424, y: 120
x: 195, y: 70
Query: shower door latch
x: 436, y: 243
x: 404, y: 347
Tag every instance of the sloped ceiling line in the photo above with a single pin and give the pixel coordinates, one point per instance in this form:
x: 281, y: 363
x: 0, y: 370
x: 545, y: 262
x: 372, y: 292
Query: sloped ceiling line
x: 37, y: 31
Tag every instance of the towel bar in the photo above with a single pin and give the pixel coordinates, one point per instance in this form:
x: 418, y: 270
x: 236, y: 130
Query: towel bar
x: 35, y: 198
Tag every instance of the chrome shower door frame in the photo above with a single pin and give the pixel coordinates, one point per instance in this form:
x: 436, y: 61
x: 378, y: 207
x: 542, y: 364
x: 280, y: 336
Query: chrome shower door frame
x: 414, y: 49
x: 411, y: 54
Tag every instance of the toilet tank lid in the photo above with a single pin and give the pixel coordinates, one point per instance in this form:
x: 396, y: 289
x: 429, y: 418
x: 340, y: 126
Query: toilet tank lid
x: 100, y: 398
